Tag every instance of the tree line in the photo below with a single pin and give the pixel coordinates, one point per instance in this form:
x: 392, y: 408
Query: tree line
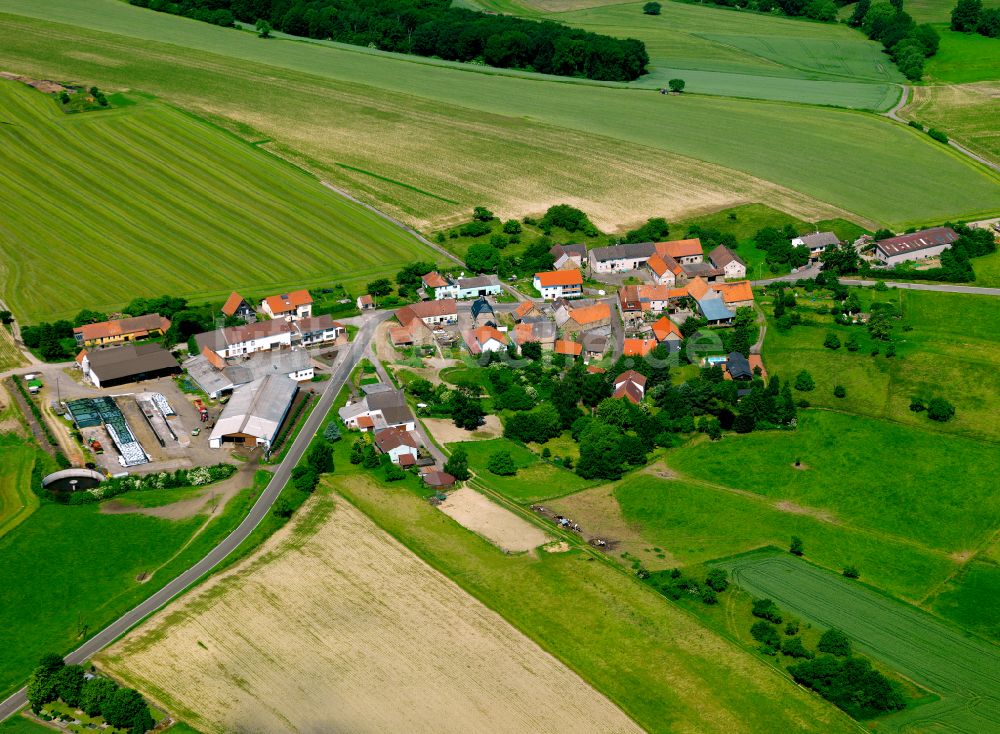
x: 433, y: 28
x: 969, y: 16
x: 909, y: 44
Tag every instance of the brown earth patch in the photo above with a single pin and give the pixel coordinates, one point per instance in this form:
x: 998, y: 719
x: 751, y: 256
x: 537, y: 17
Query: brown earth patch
x: 497, y: 524
x: 599, y: 516
x: 821, y: 515
x: 445, y: 431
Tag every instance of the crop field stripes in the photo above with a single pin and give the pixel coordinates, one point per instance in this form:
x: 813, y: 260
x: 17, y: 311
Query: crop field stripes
x: 962, y: 669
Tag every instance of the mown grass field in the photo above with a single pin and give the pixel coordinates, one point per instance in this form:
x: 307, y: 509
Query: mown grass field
x: 865, y: 473
x: 650, y: 658
x: 17, y: 501
x: 963, y: 58
x: 10, y: 355
x: 400, y: 120
x: 967, y: 112
x: 696, y: 521
x: 717, y: 51
x: 84, y: 572
x: 951, y: 351
x: 102, y: 207
x: 961, y: 669
x: 535, y: 479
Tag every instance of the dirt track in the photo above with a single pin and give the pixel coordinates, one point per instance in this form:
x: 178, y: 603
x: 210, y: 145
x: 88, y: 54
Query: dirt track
x: 335, y: 626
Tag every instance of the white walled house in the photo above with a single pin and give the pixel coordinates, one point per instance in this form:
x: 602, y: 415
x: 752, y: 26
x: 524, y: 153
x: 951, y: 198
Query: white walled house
x: 559, y: 284
x: 291, y: 306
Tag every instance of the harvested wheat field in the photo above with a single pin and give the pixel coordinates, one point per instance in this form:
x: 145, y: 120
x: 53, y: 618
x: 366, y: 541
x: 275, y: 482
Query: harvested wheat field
x: 497, y: 524
x: 335, y: 626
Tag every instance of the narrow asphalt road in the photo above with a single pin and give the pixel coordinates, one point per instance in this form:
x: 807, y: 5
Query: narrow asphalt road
x: 262, y: 506
x: 971, y: 290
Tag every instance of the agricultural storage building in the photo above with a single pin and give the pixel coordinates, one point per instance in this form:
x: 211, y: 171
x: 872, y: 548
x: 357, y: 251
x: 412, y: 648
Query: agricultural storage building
x: 915, y: 246
x: 130, y: 363
x: 255, y: 412
x: 119, y: 331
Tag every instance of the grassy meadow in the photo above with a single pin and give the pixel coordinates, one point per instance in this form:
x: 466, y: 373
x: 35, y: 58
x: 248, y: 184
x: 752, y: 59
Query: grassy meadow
x: 843, y: 455
x: 17, y: 501
x: 535, y: 479
x: 406, y: 120
x: 199, y: 222
x: 960, y: 669
x: 648, y: 656
x: 964, y: 58
x: 968, y: 112
x: 951, y: 350
x: 85, y: 571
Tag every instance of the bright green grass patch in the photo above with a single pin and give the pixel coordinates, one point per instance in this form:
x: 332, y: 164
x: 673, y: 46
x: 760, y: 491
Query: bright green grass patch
x: 697, y: 522
x: 23, y: 725
x: 952, y: 351
x: 988, y: 270
x: 930, y: 489
x: 648, y: 657
x: 535, y: 479
x: 84, y: 573
x: 159, y: 497
x: 17, y: 501
x: 964, y: 57
x: 969, y: 598
x: 201, y: 221
x: 837, y: 144
x: 959, y: 668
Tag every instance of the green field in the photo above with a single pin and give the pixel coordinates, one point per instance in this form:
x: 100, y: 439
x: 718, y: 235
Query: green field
x: 717, y: 51
x: 952, y: 351
x: 649, y: 657
x: 961, y: 669
x: 431, y: 112
x: 535, y: 479
x: 866, y: 474
x: 17, y: 501
x: 697, y: 521
x: 156, y: 201
x: 84, y: 573
x: 964, y: 57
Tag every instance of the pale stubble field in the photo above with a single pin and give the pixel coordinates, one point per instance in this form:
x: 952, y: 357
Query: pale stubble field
x: 335, y: 626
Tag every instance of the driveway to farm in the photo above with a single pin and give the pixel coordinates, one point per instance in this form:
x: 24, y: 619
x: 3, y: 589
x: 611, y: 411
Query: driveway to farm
x: 351, y: 356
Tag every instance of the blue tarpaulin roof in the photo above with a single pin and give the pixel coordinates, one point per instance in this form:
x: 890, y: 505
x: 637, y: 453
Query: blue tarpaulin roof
x: 714, y: 309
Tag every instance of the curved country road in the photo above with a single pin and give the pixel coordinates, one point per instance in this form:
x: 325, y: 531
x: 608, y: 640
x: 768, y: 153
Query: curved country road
x: 904, y: 100
x: 260, y: 509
